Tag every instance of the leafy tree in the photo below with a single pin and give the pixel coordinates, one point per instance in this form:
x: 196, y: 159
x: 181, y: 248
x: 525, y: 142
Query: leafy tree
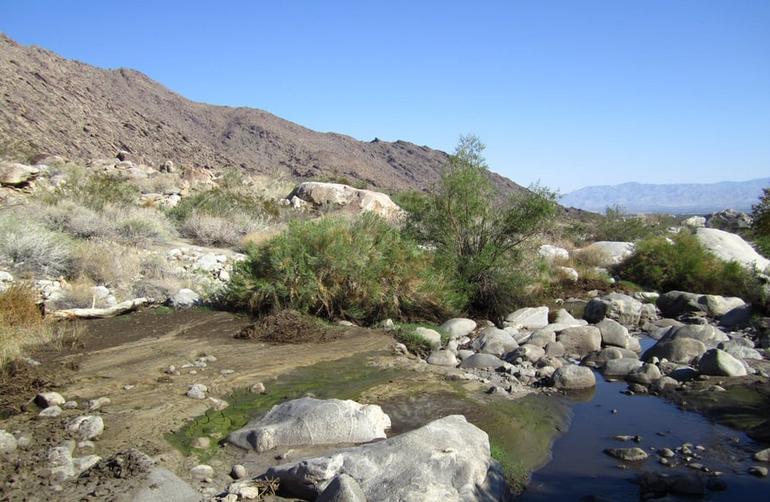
x: 477, y: 233
x: 760, y: 213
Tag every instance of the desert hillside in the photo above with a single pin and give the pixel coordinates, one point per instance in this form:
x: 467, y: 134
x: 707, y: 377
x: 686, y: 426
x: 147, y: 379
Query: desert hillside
x: 58, y: 106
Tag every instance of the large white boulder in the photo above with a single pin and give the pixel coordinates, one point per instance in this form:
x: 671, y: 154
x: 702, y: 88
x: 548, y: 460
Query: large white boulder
x: 309, y: 421
x: 610, y: 253
x: 551, y: 253
x: 447, y: 459
x: 719, y: 363
x: 458, y: 327
x: 336, y: 194
x: 530, y: 318
x: 731, y: 247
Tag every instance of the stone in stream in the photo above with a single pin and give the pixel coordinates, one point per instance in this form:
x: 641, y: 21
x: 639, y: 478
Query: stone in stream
x: 613, y: 333
x: 622, y: 308
x: 634, y: 454
x: 762, y: 455
x: 494, y: 341
x: 719, y: 363
x: 309, y: 421
x: 447, y: 459
x: 680, y: 350
x: 581, y: 340
x: 646, y: 374
x: 739, y: 350
x: 458, y: 327
x: 759, y: 471
x: 574, y: 377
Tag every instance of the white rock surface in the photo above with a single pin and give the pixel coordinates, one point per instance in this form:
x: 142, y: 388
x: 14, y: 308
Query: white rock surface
x: 336, y: 194
x: 610, y: 252
x: 731, y: 247
x: 458, y: 327
x: 309, y: 421
x: 530, y: 318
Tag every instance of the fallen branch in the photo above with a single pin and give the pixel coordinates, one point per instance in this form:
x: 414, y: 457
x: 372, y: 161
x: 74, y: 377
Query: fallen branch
x: 94, y: 313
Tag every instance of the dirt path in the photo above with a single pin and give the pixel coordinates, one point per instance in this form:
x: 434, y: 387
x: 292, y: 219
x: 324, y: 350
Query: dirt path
x: 134, y: 351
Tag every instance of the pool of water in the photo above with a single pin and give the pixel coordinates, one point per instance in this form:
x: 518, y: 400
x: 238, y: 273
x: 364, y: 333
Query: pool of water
x: 579, y: 467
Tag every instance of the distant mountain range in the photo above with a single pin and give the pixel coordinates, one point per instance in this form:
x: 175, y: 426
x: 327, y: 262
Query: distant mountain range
x: 689, y: 198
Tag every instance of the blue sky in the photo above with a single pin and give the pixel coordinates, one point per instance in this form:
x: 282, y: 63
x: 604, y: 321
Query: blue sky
x: 571, y: 93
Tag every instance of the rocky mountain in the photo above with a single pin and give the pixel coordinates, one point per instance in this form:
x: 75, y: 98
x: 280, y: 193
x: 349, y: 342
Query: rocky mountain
x: 690, y: 198
x: 52, y: 105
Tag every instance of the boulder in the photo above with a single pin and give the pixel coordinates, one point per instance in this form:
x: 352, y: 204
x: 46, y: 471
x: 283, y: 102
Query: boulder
x: 610, y: 253
x: 346, y: 197
x: 494, y: 341
x: 729, y: 220
x: 695, y: 222
x: 343, y: 488
x: 87, y: 427
x: 459, y: 327
x: 529, y: 352
x: 679, y: 350
x: 430, y: 335
x: 613, y: 333
x: 46, y: 399
x: 542, y: 337
x: 731, y: 247
x: 185, y: 298
x: 581, y: 340
x: 627, y: 454
x: 15, y: 174
x: 573, y: 377
x: 554, y: 349
x: 481, y: 361
x: 552, y: 253
x: 676, y: 303
x: 719, y: 363
x: 646, y: 374
x: 599, y: 359
x: 309, y: 421
x: 530, y: 318
x: 709, y: 335
x: 740, y: 350
x: 616, y: 368
x: 447, y: 459
x: 736, y: 317
x: 443, y: 358
x: 617, y: 306
x: 568, y: 274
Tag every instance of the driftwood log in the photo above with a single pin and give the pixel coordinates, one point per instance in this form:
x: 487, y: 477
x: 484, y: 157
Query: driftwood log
x: 101, y: 313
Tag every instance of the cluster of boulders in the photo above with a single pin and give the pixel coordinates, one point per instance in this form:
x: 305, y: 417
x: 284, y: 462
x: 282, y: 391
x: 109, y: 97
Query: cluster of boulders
x: 446, y: 459
x: 336, y: 196
x: 536, y: 347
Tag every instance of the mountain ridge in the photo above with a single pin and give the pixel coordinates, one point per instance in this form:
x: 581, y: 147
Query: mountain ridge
x: 678, y: 198
x: 66, y: 107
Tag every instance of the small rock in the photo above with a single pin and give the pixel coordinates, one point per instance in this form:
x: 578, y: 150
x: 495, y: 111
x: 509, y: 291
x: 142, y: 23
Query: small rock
x: 258, y: 388
x: 46, y: 399
x: 197, y: 391
x: 82, y: 464
x: 87, y: 426
x: 666, y: 452
x: 238, y: 472
x: 202, y: 472
x: 627, y: 454
x: 8, y: 442
x: 218, y: 404
x: 760, y: 472
x: 200, y: 443
x: 50, y: 412
x: 95, y: 404
x: 762, y: 455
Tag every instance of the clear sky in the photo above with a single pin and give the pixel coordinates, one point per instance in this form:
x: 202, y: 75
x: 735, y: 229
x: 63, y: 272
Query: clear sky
x: 571, y: 92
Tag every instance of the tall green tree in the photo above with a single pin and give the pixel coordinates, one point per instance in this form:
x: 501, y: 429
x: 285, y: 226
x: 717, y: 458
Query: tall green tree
x: 478, y: 232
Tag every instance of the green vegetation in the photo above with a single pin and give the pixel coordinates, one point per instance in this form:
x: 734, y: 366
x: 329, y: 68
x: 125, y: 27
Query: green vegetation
x: 760, y: 226
x: 95, y: 191
x: 681, y: 263
x: 361, y: 269
x: 617, y: 225
x: 477, y: 236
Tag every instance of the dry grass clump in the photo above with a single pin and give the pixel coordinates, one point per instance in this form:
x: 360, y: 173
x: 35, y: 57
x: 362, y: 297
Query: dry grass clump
x: 161, y: 183
x: 107, y: 263
x: 32, y: 247
x: 140, y: 226
x: 289, y: 326
x: 21, y: 322
x: 220, y: 231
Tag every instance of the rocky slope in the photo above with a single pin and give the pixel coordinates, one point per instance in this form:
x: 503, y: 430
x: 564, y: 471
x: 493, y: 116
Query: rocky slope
x: 689, y: 198
x: 58, y: 106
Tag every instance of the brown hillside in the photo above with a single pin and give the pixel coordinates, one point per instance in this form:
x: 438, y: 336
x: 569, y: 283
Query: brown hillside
x: 65, y: 107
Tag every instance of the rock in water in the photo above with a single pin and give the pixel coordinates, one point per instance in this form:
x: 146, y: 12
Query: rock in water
x: 447, y: 460
x: 719, y: 363
x: 573, y: 377
x: 627, y: 454
x: 622, y: 308
x: 309, y: 421
x: 581, y: 340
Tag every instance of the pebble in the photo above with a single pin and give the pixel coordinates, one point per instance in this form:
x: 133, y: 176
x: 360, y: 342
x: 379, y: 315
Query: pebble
x: 666, y: 452
x: 238, y: 472
x: 8, y: 442
x: 95, y: 404
x: 87, y: 426
x: 202, y: 472
x: 218, y: 404
x: 70, y: 405
x: 760, y: 472
x: 128, y: 387
x: 762, y: 455
x: 226, y: 372
x: 258, y: 388
x: 46, y: 399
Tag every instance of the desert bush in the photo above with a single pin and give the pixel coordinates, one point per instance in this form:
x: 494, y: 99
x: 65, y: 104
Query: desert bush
x: 74, y: 219
x: 219, y: 231
x: 140, y: 226
x: 106, y: 262
x: 760, y: 226
x: 617, y: 225
x: 681, y: 263
x: 162, y: 183
x: 21, y: 322
x: 360, y: 269
x: 95, y: 191
x: 32, y: 247
x: 477, y: 236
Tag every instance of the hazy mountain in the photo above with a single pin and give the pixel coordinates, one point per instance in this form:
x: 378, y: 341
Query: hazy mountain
x: 79, y: 111
x: 672, y: 198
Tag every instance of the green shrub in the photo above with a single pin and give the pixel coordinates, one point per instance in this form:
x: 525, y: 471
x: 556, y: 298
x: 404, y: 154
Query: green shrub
x: 95, y: 191
x: 683, y: 264
x: 361, y: 269
x: 31, y: 247
x: 617, y: 225
x: 477, y: 236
